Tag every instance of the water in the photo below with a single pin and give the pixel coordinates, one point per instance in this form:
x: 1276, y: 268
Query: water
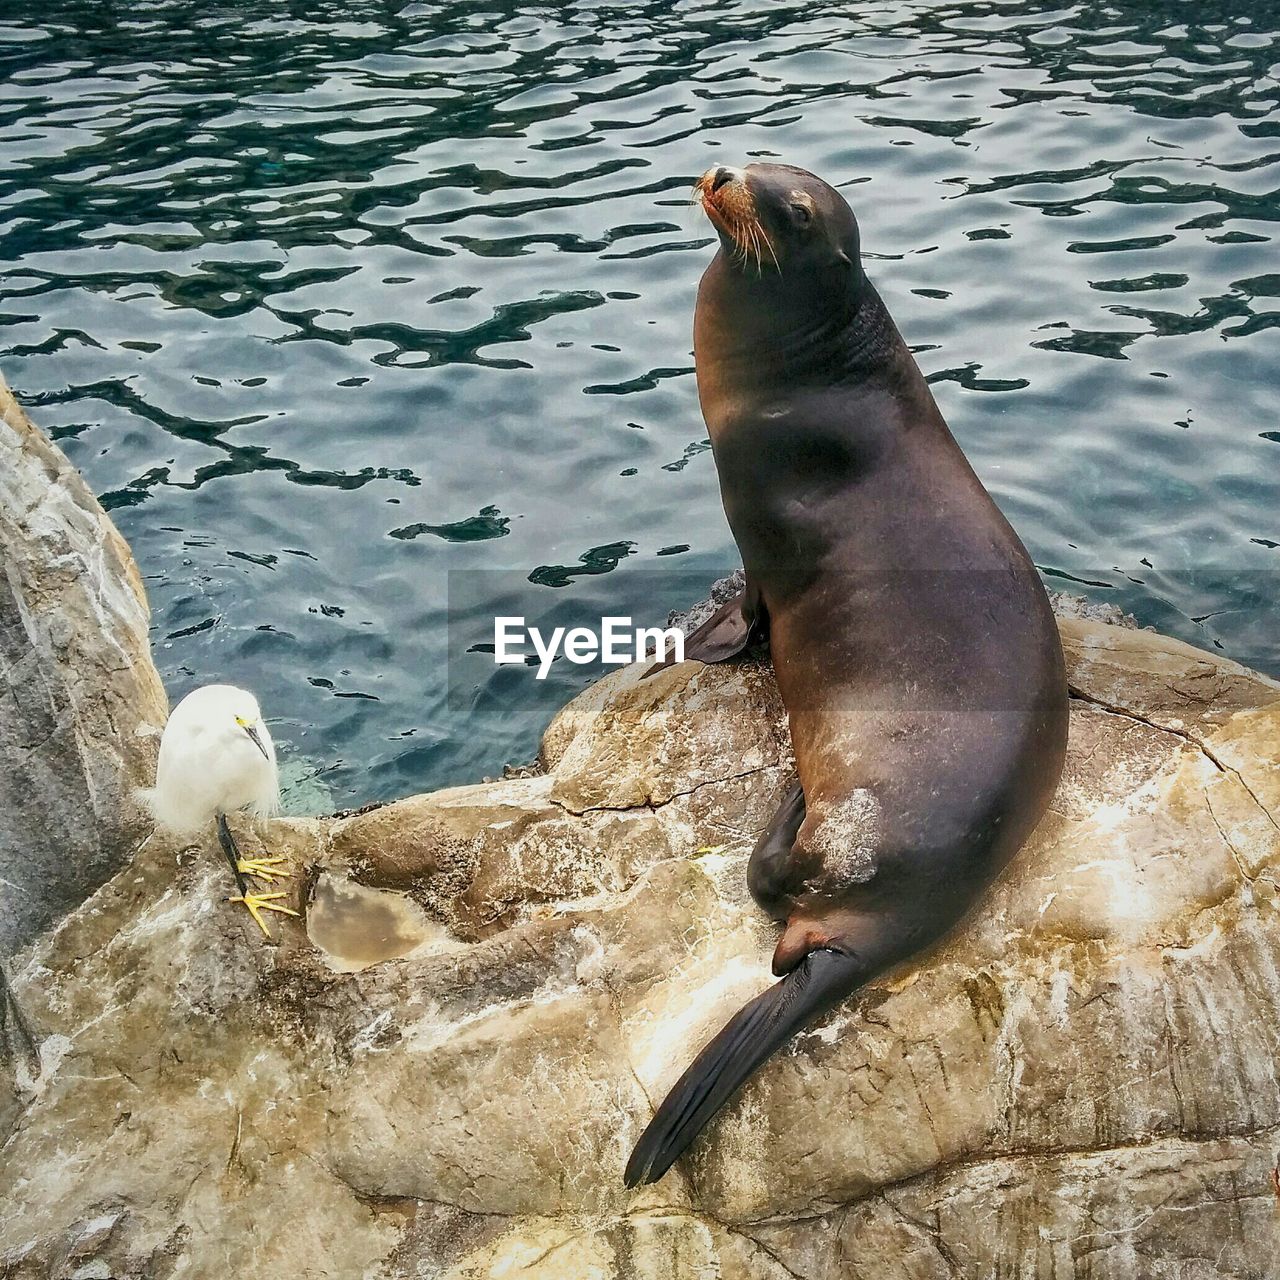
x: 329, y: 300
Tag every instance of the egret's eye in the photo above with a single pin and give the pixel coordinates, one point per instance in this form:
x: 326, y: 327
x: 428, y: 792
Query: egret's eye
x: 802, y: 214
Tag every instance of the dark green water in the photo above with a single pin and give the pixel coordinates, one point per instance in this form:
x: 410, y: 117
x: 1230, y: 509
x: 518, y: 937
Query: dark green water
x: 328, y: 300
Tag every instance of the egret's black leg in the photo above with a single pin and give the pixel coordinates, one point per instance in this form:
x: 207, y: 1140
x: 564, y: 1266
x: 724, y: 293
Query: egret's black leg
x: 263, y: 868
x: 228, y: 843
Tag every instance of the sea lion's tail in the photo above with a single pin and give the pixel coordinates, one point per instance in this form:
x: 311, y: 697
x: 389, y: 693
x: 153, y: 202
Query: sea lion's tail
x: 756, y: 1032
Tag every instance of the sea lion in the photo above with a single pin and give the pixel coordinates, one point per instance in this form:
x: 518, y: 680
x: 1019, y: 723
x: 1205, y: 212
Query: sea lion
x: 913, y: 642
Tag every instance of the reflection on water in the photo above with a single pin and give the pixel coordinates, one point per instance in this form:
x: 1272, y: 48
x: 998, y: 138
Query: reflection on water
x: 329, y: 300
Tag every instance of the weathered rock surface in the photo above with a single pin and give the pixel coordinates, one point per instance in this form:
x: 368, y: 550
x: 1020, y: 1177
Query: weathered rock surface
x: 1080, y: 1083
x: 439, y: 1069
x: 79, y: 690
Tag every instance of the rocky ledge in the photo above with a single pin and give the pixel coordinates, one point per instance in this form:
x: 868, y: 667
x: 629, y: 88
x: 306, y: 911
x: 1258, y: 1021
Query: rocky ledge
x: 80, y: 693
x: 438, y: 1070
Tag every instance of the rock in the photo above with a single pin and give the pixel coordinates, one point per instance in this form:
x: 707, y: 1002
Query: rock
x: 1066, y: 605
x: 440, y: 1068
x: 80, y: 691
x: 1081, y: 1082
x: 722, y: 591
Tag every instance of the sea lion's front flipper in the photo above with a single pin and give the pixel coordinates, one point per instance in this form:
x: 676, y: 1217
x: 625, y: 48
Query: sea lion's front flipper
x: 757, y: 1031
x: 771, y: 867
x: 724, y: 635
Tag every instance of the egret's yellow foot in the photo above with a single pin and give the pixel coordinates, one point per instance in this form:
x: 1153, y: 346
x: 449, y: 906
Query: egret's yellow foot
x: 260, y: 902
x: 264, y: 868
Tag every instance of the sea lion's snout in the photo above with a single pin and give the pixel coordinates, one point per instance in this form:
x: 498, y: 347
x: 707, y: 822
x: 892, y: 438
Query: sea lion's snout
x: 718, y: 185
x: 728, y: 200
x: 720, y: 176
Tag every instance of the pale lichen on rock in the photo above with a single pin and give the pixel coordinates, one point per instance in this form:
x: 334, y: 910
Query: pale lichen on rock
x: 81, y: 699
x: 445, y: 1077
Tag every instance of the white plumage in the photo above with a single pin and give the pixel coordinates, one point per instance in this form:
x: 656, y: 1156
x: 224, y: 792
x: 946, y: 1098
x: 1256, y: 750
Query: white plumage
x: 216, y: 756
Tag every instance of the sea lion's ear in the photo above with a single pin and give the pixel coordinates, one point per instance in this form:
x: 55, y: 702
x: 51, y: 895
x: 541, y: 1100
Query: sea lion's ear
x: 843, y: 258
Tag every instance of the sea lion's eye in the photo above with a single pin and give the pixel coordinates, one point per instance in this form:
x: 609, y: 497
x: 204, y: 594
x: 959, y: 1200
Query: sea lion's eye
x: 802, y: 213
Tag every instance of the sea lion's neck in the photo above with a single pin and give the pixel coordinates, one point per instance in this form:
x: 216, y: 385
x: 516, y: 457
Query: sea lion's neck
x: 764, y: 335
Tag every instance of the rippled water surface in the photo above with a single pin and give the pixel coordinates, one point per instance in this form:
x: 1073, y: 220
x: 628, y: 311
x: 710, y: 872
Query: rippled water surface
x: 329, y: 300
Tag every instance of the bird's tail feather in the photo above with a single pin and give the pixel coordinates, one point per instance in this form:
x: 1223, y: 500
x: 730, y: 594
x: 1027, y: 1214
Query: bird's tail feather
x: 757, y: 1031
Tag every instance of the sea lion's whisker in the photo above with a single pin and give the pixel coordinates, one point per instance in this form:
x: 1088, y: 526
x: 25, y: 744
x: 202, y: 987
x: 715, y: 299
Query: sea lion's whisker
x: 737, y: 230
x: 777, y: 266
x: 748, y: 240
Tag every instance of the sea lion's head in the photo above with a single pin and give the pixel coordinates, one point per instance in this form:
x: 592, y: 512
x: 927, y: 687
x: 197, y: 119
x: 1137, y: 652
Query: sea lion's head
x: 777, y: 302
x: 777, y: 219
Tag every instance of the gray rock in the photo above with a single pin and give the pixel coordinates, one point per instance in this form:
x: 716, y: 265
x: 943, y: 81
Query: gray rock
x: 1067, y: 605
x: 722, y: 591
x: 79, y: 694
x: 438, y: 1070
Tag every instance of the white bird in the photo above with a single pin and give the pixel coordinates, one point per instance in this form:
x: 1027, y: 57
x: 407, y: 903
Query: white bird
x: 216, y: 757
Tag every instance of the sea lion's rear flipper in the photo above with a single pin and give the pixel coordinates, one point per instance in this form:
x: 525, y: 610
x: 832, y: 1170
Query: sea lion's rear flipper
x: 733, y: 626
x: 815, y: 986
x: 772, y: 867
